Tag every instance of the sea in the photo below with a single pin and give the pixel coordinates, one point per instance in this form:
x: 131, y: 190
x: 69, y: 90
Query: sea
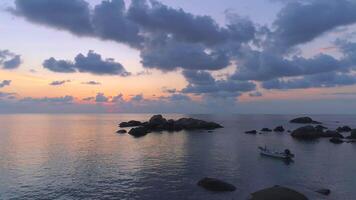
x: 80, y: 156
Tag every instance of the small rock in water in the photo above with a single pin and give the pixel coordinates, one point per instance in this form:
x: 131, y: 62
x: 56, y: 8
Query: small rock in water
x: 277, y: 193
x: 306, y: 132
x: 333, y: 134
x: 217, y: 185
x: 139, y: 131
x: 130, y: 123
x: 324, y: 191
x: 304, y: 120
x: 266, y: 130
x: 336, y: 140
x: 342, y: 129
x: 121, y: 131
x: 251, y: 132
x: 279, y: 129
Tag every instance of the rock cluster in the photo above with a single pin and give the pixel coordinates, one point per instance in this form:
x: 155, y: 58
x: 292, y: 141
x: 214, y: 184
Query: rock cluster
x: 304, y: 120
x: 159, y: 123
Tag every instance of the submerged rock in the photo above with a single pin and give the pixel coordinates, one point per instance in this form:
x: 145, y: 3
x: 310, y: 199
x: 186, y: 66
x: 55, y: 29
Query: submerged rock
x: 342, y: 129
x: 277, y: 193
x: 251, y: 132
x: 336, y: 140
x: 266, y: 130
x: 306, y: 132
x: 130, y: 123
x: 139, y: 131
x: 213, y: 184
x: 323, y: 191
x: 278, y: 129
x: 121, y: 131
x: 304, y: 120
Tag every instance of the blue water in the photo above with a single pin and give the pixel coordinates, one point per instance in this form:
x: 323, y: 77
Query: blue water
x: 81, y: 157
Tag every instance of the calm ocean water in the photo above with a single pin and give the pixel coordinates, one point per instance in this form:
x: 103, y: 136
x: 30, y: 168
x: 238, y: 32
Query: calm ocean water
x: 81, y: 157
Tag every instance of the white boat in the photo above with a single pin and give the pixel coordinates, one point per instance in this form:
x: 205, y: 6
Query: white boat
x: 282, y: 155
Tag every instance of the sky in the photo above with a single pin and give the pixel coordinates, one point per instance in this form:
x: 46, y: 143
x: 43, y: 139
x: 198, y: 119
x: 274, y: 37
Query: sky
x: 178, y: 56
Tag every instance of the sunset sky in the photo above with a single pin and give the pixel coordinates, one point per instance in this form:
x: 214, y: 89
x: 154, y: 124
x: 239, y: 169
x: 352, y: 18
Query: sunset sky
x: 181, y: 56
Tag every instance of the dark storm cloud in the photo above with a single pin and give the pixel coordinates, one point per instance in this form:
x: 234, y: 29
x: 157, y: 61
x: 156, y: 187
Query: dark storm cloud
x: 300, y: 22
x: 91, y: 83
x: 91, y: 63
x: 5, y: 83
x: 323, y: 80
x: 56, y: 83
x: 201, y: 82
x: 9, y: 60
x: 56, y: 100
x: 51, y: 13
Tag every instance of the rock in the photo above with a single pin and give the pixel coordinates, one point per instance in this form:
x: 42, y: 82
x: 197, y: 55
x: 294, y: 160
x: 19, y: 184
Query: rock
x: 306, y: 132
x: 121, y: 131
x: 289, y: 131
x: 213, y: 184
x: 266, y: 130
x: 342, y: 129
x: 304, y: 120
x: 320, y: 128
x: 139, y: 131
x: 323, y: 191
x: 336, y: 140
x: 333, y: 134
x: 130, y: 123
x: 191, y: 124
x: 279, y: 129
x: 277, y: 193
x: 251, y: 132
x: 352, y: 134
x: 157, y: 120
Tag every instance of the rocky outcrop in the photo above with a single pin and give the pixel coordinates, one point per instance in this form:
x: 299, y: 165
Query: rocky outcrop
x: 130, y: 123
x: 277, y: 192
x: 342, y: 129
x: 304, y: 120
x: 320, y: 128
x: 121, y: 131
x: 159, y: 123
x: 323, y: 191
x: 266, y: 130
x: 217, y: 185
x: 251, y: 132
x: 333, y: 134
x: 278, y: 129
x: 306, y: 132
x: 352, y: 134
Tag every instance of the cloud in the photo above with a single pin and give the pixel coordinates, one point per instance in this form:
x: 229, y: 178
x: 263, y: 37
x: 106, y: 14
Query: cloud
x: 5, y: 83
x: 9, y: 60
x: 138, y: 97
x: 255, y: 94
x: 56, y: 83
x: 91, y: 63
x: 317, y: 17
x: 169, y: 90
x: 323, y: 80
x: 88, y: 99
x: 91, y: 83
x: 201, y: 82
x: 49, y: 100
x: 7, y: 95
x: 101, y: 98
x: 262, y: 66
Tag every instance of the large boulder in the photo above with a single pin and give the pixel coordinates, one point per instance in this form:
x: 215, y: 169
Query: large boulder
x: 217, y: 185
x: 130, y: 123
x: 342, y: 129
x: 306, y: 132
x: 333, y: 134
x: 278, y: 129
x: 190, y: 124
x: 157, y: 120
x: 139, y: 131
x: 352, y: 134
x: 277, y: 193
x: 304, y: 120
